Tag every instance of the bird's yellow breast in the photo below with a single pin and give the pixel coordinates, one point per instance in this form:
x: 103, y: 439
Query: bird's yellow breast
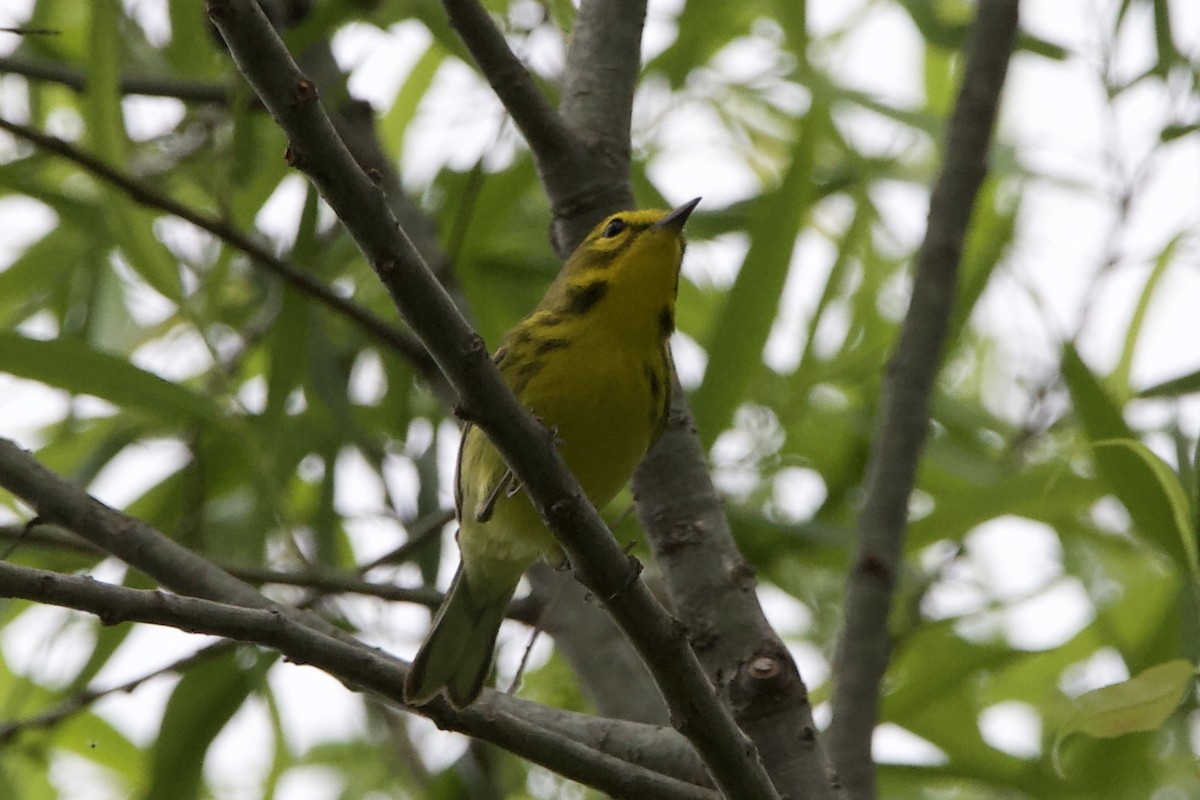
x: 603, y: 427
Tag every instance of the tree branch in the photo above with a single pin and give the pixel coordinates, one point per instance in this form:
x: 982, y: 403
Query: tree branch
x: 130, y: 539
x: 352, y: 663
x: 542, y: 127
x: 584, y: 173
x: 603, y: 63
x: 64, y: 75
x: 611, y: 674
x: 598, y: 560
x: 713, y: 593
x: 82, y: 700
x: 323, y: 581
x: 650, y: 746
x: 865, y: 644
x: 137, y: 191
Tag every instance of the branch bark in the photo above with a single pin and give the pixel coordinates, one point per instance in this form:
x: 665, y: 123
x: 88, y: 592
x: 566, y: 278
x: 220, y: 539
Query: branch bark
x: 351, y: 662
x: 865, y: 645
x: 713, y: 592
x: 597, y: 558
x: 64, y: 75
x: 585, y: 175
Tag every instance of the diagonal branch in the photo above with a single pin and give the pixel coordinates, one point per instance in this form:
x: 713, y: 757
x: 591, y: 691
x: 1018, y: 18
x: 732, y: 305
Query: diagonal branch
x: 582, y: 153
x: 598, y: 559
x: 351, y: 662
x: 865, y: 645
x: 533, y: 114
x: 126, y: 537
x: 137, y: 191
x: 146, y: 549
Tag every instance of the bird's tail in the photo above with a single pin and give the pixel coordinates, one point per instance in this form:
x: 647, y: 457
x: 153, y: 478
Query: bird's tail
x: 457, y: 653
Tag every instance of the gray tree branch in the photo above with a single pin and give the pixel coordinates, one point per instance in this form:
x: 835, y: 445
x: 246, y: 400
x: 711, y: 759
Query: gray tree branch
x: 713, y: 592
x: 865, y: 645
x: 149, y: 86
x: 351, y: 662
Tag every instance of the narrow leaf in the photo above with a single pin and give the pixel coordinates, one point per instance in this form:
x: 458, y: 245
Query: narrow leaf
x: 1171, y: 487
x: 77, y: 368
x: 202, y: 704
x: 1126, y: 475
x: 741, y: 330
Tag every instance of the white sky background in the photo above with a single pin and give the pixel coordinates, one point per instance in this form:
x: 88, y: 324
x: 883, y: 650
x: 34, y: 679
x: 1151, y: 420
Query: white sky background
x: 1058, y: 119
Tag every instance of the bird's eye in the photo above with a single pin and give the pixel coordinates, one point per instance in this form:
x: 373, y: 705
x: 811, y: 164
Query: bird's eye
x: 613, y: 228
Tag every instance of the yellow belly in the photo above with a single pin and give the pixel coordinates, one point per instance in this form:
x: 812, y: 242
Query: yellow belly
x: 604, y: 419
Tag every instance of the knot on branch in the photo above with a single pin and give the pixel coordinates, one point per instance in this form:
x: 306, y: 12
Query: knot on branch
x: 679, y: 534
x: 766, y: 682
x: 304, y: 92
x: 294, y: 157
x: 875, y: 568
x: 742, y: 575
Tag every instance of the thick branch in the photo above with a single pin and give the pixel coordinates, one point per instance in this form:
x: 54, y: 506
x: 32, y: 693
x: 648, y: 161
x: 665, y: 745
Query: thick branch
x: 603, y: 64
x: 351, y: 662
x: 904, y: 407
x: 597, y: 558
x: 149, y: 551
x: 713, y: 593
x: 137, y: 191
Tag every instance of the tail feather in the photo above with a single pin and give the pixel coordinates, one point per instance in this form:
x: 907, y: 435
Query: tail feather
x: 457, y: 654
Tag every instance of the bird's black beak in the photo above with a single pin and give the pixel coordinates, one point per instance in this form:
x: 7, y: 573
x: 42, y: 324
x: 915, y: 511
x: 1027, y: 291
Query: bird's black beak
x: 679, y: 216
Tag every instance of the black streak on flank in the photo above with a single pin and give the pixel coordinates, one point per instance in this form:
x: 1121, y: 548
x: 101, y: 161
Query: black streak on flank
x: 666, y: 322
x: 652, y: 377
x: 581, y: 299
x: 520, y: 375
x: 551, y: 344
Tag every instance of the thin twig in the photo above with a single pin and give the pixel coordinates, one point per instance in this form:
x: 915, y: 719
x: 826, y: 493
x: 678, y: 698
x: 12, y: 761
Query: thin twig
x: 137, y: 191
x: 64, y: 75
x: 82, y: 700
x: 865, y: 645
x: 351, y: 662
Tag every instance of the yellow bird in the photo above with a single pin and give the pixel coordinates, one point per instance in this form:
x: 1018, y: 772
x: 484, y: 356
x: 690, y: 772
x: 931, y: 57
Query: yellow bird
x: 592, y: 362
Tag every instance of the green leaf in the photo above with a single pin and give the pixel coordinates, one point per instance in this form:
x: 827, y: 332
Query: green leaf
x: 1175, y: 387
x: 1125, y: 364
x: 102, y: 97
x: 1142, y: 703
x: 79, y: 369
x: 188, y: 53
x: 741, y: 329
x: 202, y: 704
x: 395, y: 123
x: 130, y: 225
x: 1128, y: 476
x: 1170, y: 485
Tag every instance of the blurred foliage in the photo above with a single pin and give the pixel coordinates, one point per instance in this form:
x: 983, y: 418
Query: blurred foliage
x: 240, y: 414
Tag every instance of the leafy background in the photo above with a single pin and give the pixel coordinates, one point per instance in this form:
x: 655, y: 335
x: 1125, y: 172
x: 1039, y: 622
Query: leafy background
x: 1052, y: 545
